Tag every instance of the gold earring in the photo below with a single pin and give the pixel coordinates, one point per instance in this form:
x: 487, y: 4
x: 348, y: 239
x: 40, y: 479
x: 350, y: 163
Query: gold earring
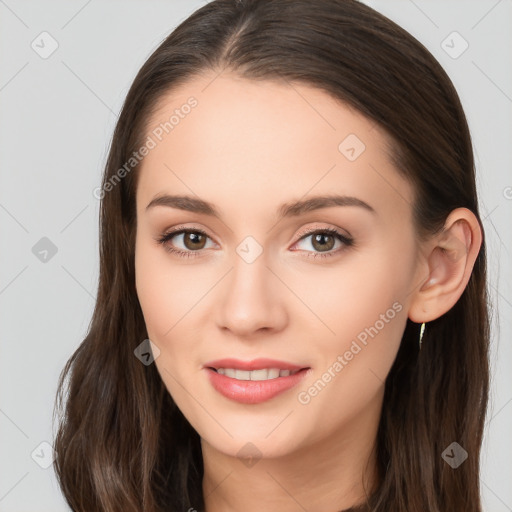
x: 422, y: 330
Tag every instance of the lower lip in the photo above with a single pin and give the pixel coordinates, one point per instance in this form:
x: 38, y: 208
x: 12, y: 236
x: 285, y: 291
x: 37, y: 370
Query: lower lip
x: 253, y: 391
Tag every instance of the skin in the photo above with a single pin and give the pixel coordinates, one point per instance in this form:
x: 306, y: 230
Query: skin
x: 248, y: 147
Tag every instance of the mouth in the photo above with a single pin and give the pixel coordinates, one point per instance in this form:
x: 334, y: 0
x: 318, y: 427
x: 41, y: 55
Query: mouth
x: 254, y: 375
x: 253, y: 382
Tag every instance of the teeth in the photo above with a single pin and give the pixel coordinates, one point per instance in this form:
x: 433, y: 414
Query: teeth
x: 258, y: 374
x: 263, y: 374
x: 242, y: 375
x: 273, y: 373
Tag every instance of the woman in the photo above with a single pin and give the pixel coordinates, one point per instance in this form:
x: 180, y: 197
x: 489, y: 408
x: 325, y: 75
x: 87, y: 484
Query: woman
x: 291, y: 312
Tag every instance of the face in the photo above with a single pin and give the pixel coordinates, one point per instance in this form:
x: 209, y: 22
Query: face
x: 321, y: 290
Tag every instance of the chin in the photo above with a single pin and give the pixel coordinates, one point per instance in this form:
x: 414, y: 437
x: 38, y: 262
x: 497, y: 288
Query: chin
x: 254, y: 444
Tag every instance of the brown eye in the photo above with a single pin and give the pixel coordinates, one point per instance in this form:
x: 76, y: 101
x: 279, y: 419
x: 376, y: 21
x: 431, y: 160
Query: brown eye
x: 187, y: 243
x: 323, y: 241
x: 194, y: 240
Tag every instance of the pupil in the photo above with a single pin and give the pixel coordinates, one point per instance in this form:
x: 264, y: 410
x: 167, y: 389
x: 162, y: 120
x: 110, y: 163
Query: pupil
x: 322, y: 245
x: 194, y: 238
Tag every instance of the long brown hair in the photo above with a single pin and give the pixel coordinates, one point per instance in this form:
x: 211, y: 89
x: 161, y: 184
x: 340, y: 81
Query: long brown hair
x: 122, y: 444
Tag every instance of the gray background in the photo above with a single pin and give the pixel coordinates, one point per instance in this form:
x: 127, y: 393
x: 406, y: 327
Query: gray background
x: 57, y: 117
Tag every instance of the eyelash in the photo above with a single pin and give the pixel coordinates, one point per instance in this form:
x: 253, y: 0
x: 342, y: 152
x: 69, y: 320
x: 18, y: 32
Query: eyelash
x: 347, y: 241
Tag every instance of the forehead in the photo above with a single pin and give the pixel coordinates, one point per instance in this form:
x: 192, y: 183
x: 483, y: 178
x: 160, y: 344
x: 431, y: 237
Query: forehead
x: 248, y: 141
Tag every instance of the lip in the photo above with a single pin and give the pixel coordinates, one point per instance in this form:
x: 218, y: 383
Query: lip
x: 248, y: 391
x: 255, y: 364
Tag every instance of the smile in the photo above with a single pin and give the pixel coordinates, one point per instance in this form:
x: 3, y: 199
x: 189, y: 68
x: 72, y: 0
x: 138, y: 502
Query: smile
x: 263, y: 374
x: 253, y: 382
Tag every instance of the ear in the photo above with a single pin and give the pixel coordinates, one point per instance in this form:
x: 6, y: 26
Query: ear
x: 447, y: 267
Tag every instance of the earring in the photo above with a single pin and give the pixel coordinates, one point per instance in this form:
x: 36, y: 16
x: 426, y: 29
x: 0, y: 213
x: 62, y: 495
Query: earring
x: 422, y: 330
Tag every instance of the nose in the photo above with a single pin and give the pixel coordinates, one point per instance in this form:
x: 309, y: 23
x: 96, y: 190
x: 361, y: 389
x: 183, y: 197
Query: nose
x: 251, y: 299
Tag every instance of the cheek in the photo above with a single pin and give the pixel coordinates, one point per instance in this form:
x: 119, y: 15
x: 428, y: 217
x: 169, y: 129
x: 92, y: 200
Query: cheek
x: 151, y: 287
x: 166, y: 290
x: 364, y: 289
x: 166, y: 295
x: 352, y: 365
x: 368, y: 302
x: 170, y: 297
x: 367, y: 312
x: 159, y: 291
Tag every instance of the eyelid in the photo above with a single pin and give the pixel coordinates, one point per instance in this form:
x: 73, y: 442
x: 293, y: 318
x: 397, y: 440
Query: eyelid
x: 345, y: 239
x: 181, y: 228
x: 300, y: 234
x: 310, y: 230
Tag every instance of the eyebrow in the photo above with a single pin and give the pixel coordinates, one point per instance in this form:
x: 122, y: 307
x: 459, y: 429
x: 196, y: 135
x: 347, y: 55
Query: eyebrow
x: 292, y: 209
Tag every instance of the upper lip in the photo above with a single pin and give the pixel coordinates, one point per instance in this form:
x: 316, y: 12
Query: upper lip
x: 255, y: 364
